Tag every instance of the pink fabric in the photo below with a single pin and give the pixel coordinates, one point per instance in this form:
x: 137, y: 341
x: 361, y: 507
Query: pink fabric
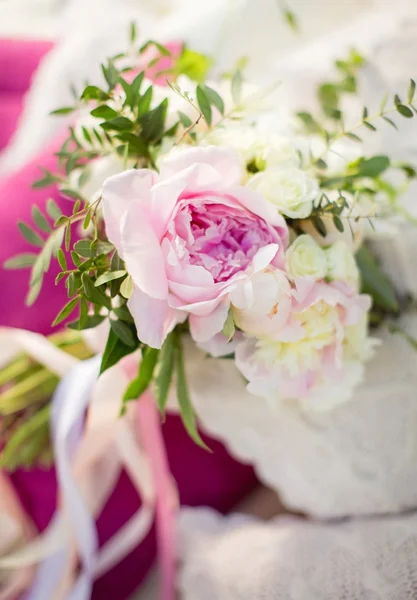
x: 203, y: 478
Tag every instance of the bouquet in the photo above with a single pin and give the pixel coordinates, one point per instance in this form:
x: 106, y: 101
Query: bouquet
x: 206, y: 228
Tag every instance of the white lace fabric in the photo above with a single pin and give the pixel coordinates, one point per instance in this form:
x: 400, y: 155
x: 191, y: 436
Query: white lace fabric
x: 239, y: 558
x: 357, y: 459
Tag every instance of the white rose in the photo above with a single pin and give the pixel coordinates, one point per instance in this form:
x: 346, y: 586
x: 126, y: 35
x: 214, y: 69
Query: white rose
x: 291, y: 190
x: 305, y: 258
x: 341, y: 264
x: 255, y: 147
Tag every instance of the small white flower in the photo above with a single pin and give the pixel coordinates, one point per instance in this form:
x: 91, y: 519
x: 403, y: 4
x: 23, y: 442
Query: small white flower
x: 305, y: 258
x: 341, y: 264
x: 291, y: 190
x: 256, y: 148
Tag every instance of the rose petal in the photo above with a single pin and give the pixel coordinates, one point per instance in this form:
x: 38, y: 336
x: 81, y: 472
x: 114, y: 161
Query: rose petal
x: 118, y: 192
x: 224, y: 161
x: 142, y: 253
x: 154, y: 319
x: 204, y: 328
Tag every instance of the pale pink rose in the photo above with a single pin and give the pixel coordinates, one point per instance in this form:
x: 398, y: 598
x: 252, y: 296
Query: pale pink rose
x: 314, y: 347
x: 189, y: 237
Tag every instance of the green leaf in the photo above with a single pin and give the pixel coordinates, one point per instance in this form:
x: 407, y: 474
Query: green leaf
x: 165, y: 371
x: 338, y: 223
x: 109, y: 277
x: 117, y: 124
x: 153, y: 123
x: 184, y: 119
x: 309, y: 122
x: 67, y: 310
x: 93, y: 294
x: 92, y: 92
x: 319, y: 225
x: 104, y: 112
x: 34, y: 292
x: 214, y: 98
x: 383, y: 103
x: 61, y: 259
x: 68, y: 237
x: 390, y: 122
x: 110, y: 74
x: 397, y: 100
x: 369, y: 126
x: 146, y: 369
x: 65, y: 110
x: 186, y: 409
x: 87, y: 219
x: 162, y: 49
x: 21, y: 261
x: 114, y: 351
x: 374, y: 281
x: 124, y: 332
x: 45, y: 181
x: 135, y: 88
x: 123, y: 313
x: 126, y: 289
x: 405, y: 111
x: 144, y: 103
x: 30, y: 235
x: 53, y: 209
x: 229, y: 327
x: 204, y: 104
x: 373, y: 167
x: 83, y: 248
x: 411, y: 91
x: 353, y: 136
x: 133, y: 32
x: 291, y: 20
x: 83, y: 318
x: 41, y: 265
x: 90, y: 323
x: 237, y: 87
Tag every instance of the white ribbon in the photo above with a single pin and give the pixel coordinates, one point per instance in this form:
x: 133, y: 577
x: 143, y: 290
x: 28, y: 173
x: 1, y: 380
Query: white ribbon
x: 86, y: 477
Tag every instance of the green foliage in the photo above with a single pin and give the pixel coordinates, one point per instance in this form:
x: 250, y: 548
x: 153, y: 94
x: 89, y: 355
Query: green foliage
x: 166, y: 365
x: 140, y: 384
x: 183, y: 397
x: 115, y: 350
x: 375, y: 282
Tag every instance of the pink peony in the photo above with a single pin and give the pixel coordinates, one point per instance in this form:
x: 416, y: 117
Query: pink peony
x: 190, y: 236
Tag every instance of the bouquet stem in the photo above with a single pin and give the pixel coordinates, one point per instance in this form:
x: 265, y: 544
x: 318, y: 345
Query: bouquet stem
x: 149, y: 426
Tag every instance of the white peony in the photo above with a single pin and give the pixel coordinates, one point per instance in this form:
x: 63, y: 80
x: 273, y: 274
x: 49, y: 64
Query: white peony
x: 263, y: 307
x: 291, y: 190
x: 341, y: 264
x: 305, y: 258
